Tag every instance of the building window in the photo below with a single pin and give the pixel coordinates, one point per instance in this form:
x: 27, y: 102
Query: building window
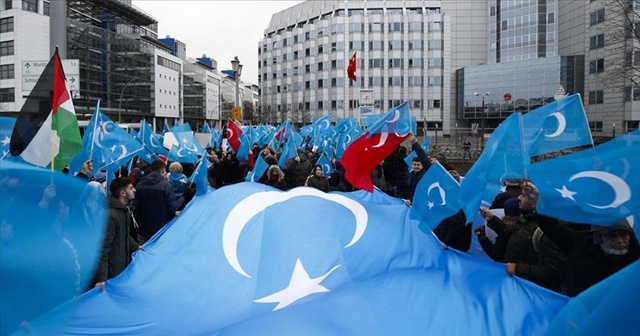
x: 395, y: 27
x: 6, y: 24
x: 375, y: 27
x: 7, y: 71
x: 6, y: 48
x: 596, y: 66
x: 7, y: 95
x: 596, y: 17
x: 595, y: 126
x: 596, y: 42
x: 30, y: 5
x: 596, y: 97
x: 415, y: 26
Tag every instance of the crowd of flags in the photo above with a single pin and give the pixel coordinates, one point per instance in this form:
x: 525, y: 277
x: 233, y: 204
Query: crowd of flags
x: 593, y: 185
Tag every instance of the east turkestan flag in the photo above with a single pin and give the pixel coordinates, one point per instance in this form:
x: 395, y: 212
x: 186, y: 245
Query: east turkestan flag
x: 46, y: 131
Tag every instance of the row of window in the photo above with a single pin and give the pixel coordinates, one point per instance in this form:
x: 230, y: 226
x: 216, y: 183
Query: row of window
x: 357, y: 12
x: 375, y: 27
x: 339, y: 104
x: 376, y: 81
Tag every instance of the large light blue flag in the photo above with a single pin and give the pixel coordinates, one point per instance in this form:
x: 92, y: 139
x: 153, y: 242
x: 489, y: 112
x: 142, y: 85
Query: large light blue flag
x: 352, y: 267
x: 258, y: 169
x: 436, y: 196
x: 51, y: 228
x: 327, y: 166
x: 503, y: 157
x: 558, y: 125
x: 607, y: 308
x: 398, y: 122
x: 425, y: 145
x: 6, y: 128
x: 595, y: 186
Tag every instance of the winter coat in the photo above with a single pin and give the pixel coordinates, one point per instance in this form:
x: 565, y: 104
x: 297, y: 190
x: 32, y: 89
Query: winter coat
x: 454, y: 232
x: 547, y: 267
x: 118, y: 244
x: 588, y: 264
x: 318, y: 182
x: 155, y: 204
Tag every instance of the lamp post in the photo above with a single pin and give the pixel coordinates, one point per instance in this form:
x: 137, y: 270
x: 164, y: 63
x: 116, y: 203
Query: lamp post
x: 482, y: 113
x: 237, y: 72
x: 120, y: 99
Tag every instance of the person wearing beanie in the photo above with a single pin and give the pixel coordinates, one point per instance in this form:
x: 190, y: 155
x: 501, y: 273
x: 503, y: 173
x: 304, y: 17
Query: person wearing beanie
x: 527, y: 254
x: 495, y: 250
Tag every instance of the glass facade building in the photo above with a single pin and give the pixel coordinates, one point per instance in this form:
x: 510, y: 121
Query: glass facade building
x: 516, y: 86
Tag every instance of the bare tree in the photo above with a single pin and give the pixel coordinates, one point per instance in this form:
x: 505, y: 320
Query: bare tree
x: 620, y: 22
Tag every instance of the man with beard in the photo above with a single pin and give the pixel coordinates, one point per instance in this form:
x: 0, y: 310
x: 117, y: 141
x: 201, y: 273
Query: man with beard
x: 593, y: 255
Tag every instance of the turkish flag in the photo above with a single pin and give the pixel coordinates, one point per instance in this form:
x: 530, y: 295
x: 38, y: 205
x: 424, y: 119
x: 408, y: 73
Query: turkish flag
x: 364, y: 154
x: 233, y: 135
x: 351, y: 69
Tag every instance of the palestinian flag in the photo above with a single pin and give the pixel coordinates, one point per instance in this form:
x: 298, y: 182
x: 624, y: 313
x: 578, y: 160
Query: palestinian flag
x: 47, y: 128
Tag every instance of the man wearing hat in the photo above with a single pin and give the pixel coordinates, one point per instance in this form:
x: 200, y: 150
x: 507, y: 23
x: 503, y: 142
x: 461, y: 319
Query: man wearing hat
x: 593, y: 255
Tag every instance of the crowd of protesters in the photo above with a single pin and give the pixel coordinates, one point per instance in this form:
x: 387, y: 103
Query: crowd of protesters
x: 564, y: 257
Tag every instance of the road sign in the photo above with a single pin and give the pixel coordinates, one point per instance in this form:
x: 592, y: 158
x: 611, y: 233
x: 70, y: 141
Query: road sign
x: 31, y: 71
x: 236, y: 114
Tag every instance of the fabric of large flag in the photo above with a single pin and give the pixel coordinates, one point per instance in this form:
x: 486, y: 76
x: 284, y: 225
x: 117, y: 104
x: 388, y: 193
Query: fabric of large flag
x: 351, y: 68
x: 383, y: 137
x: 327, y: 166
x: 51, y: 233
x: 596, y: 186
x: 558, y: 125
x: 607, y: 308
x: 107, y: 144
x: 436, y: 196
x: 503, y: 157
x: 425, y: 145
x: 258, y: 169
x: 352, y: 267
x: 6, y: 128
x: 233, y: 135
x: 47, y: 127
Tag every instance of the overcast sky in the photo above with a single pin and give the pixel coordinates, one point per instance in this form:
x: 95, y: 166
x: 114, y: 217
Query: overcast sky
x: 218, y: 28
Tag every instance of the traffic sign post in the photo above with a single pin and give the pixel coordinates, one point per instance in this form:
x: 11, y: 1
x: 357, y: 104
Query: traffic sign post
x: 31, y: 71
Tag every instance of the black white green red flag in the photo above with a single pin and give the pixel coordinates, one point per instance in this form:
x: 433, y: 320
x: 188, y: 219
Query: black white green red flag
x: 46, y: 133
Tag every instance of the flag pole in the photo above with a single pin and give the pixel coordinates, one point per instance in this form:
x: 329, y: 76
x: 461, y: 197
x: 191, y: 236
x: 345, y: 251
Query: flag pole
x: 95, y: 125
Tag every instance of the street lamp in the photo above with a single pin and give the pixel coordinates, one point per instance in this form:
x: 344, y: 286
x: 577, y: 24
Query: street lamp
x: 237, y: 72
x: 120, y: 99
x: 481, y: 115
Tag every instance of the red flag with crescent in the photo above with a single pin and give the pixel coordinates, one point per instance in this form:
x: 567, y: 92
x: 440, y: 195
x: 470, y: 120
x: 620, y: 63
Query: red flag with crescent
x: 351, y: 69
x: 233, y: 135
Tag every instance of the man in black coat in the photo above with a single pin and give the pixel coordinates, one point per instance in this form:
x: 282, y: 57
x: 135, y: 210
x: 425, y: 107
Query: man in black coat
x: 593, y: 255
x: 155, y: 203
x: 118, y: 244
